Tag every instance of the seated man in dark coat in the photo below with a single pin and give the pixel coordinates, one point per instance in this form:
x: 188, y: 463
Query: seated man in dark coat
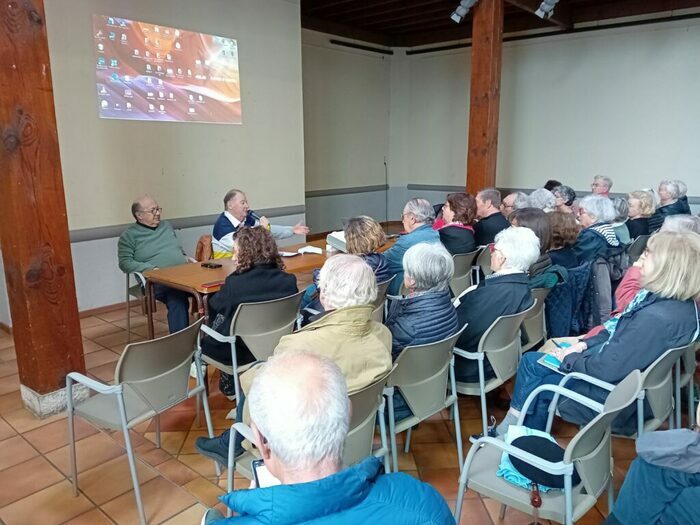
x: 505, y: 292
x: 670, y: 203
x: 491, y: 220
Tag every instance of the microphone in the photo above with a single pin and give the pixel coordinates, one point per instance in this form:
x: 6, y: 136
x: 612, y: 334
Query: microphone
x: 254, y: 215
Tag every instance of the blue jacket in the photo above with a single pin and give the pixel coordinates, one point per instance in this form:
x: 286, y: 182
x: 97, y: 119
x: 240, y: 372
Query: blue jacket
x: 394, y: 255
x: 356, y: 495
x: 680, y: 207
x: 597, y: 240
x: 562, y: 307
x: 420, y: 319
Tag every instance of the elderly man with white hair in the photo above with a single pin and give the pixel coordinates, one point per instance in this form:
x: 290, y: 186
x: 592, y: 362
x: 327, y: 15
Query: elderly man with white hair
x: 601, y: 186
x: 542, y: 199
x: 669, y: 204
x: 300, y: 415
x: 345, y: 334
x: 597, y: 238
x: 417, y: 219
x: 514, y: 201
x: 504, y: 292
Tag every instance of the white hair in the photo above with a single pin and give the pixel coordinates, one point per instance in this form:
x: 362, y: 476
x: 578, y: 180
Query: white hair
x: 430, y: 266
x: 621, y: 209
x: 682, y: 188
x: 299, y: 402
x: 543, y: 199
x: 421, y: 209
x: 606, y: 180
x: 566, y: 193
x: 520, y: 246
x: 681, y: 224
x: 520, y: 201
x: 347, y: 280
x: 599, y: 207
x: 671, y: 187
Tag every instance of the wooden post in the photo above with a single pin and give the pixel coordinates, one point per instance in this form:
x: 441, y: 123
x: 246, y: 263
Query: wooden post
x: 34, y: 227
x: 487, y: 43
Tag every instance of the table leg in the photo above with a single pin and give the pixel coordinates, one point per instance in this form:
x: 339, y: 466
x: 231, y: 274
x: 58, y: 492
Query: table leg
x: 150, y: 300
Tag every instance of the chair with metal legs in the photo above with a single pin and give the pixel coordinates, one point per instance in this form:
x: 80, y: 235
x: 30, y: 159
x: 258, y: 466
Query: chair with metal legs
x: 462, y: 278
x: 684, y: 378
x: 136, y: 290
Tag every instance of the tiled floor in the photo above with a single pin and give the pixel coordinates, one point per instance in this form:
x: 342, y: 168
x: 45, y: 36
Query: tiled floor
x: 177, y: 483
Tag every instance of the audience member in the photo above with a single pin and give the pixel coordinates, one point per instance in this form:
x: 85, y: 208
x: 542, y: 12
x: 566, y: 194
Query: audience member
x: 597, y: 238
x: 564, y: 233
x: 504, y: 292
x: 620, y: 220
x: 417, y: 217
x: 668, y: 204
x: 459, y: 212
x: 151, y: 243
x: 259, y: 276
x: 551, y: 184
x: 345, y: 334
x: 514, y: 201
x: 425, y: 314
x: 601, y: 186
x: 641, y: 207
x: 300, y: 417
x: 564, y: 198
x: 663, y: 315
x: 683, y: 196
x: 542, y: 199
x: 491, y: 220
x: 237, y: 213
x: 538, y: 221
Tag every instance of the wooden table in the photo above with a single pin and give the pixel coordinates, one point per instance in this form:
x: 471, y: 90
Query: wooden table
x: 200, y: 282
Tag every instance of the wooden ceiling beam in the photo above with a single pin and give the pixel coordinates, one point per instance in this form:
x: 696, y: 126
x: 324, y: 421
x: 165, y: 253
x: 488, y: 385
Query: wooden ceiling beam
x: 407, y: 9
x: 426, y: 17
x: 625, y: 8
x: 355, y: 33
x: 561, y: 16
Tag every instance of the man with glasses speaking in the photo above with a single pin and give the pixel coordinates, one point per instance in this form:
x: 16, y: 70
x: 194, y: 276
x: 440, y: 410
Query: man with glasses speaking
x: 151, y: 243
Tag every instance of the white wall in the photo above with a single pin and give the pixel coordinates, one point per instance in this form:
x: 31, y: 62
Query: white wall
x: 187, y: 166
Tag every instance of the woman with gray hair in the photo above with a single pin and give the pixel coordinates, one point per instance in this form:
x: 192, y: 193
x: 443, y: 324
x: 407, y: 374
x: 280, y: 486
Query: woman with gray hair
x: 619, y: 222
x: 504, y: 292
x: 426, y: 314
x: 564, y: 197
x: 669, y: 204
x: 597, y: 239
x: 542, y: 199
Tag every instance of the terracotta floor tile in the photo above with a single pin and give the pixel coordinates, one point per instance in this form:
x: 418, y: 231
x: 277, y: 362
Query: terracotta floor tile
x: 115, y: 315
x: 189, y: 516
x: 173, y: 421
x: 204, y: 466
x: 117, y: 338
x: 435, y: 455
x: 218, y: 420
x: 8, y: 384
x: 95, y: 332
x: 432, y: 432
x: 100, y: 357
x: 6, y: 430
x: 473, y: 512
x: 6, y: 342
x: 10, y: 402
x: 177, y: 472
x: 55, y: 435
x: 7, y: 354
x: 444, y: 480
x: 112, y: 478
x: 89, y: 322
x: 161, y: 500
x: 135, y: 321
x: 22, y: 420
x: 406, y: 461
x: 26, y: 478
x: 188, y: 445
x: 8, y: 368
x: 90, y: 452
x: 171, y: 442
x: 205, y: 491
x: 624, y: 448
x: 512, y: 517
x: 93, y: 517
x: 104, y: 373
x: 90, y: 346
x: 152, y: 455
x: 15, y: 450
x: 50, y: 506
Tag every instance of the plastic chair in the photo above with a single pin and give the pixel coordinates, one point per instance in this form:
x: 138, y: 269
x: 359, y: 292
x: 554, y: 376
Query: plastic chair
x: 380, y: 302
x: 260, y: 325
x: 534, y: 322
x: 462, y: 278
x: 483, y: 262
x: 136, y: 290
x: 589, y: 452
x: 636, y: 249
x: 422, y: 373
x: 686, y: 378
x: 500, y: 344
x: 151, y: 377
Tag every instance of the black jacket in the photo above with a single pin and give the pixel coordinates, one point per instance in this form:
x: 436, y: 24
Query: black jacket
x: 486, y: 229
x: 495, y: 296
x: 675, y: 208
x: 261, y: 283
x: 564, y: 257
x: 638, y: 226
x: 592, y: 244
x: 457, y: 239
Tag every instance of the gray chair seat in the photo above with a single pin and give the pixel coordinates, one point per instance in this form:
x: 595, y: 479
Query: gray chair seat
x: 103, y: 410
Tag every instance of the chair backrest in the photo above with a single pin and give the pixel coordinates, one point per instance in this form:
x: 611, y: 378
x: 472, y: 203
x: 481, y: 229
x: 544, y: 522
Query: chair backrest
x: 657, y: 381
x: 484, y: 261
x: 159, y: 370
x: 378, y: 312
x: 462, y: 278
x: 421, y: 373
x: 203, y: 250
x: 689, y: 359
x: 636, y: 249
x: 365, y: 402
x: 533, y: 324
x: 501, y: 343
x: 261, y: 325
x: 590, y: 448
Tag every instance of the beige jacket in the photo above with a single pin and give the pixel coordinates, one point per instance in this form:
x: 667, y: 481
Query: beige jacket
x: 347, y: 336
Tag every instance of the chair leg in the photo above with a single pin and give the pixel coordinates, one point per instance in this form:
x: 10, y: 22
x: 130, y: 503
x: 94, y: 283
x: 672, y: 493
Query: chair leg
x: 392, y: 435
x: 691, y: 402
x: 132, y: 462
x: 640, y: 417
x: 201, y: 377
x: 458, y: 434
x: 460, y: 496
x: 677, y: 385
x: 71, y: 445
x: 157, y: 418
x: 611, y: 495
x: 407, y: 445
x: 482, y: 396
x: 382, y: 435
x: 198, y: 409
x: 230, y: 465
x: 128, y: 311
x: 502, y: 512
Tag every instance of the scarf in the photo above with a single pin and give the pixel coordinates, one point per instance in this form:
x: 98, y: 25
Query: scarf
x: 611, y: 324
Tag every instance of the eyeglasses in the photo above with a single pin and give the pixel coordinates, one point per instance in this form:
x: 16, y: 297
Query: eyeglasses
x: 492, y: 247
x: 153, y: 211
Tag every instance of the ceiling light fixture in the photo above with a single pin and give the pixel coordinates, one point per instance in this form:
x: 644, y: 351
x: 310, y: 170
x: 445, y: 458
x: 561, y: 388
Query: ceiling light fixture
x: 462, y: 10
x: 546, y: 8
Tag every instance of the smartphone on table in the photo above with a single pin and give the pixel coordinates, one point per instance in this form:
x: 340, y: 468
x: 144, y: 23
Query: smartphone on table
x: 211, y: 265
x: 262, y: 476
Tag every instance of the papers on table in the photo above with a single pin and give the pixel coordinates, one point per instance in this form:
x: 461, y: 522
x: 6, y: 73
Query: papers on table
x: 302, y: 250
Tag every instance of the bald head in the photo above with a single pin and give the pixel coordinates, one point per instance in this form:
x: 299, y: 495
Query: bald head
x: 145, y: 210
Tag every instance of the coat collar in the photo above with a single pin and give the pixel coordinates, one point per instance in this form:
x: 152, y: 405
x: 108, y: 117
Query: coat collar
x: 509, y: 278
x: 352, y: 315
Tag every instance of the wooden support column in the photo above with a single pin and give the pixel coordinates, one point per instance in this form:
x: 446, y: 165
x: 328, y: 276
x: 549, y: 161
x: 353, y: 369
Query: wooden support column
x: 487, y: 43
x: 34, y: 227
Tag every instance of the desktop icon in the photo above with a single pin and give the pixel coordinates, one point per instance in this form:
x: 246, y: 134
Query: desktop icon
x: 177, y: 45
x: 101, y: 61
x: 136, y: 52
x: 100, y: 47
x: 151, y: 107
x: 162, y: 107
x: 123, y: 37
x: 112, y: 35
x: 114, y: 62
x: 104, y: 104
x: 191, y: 110
x: 128, y: 105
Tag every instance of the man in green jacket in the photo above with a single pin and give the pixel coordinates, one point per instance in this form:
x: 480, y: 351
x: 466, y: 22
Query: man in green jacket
x: 151, y: 243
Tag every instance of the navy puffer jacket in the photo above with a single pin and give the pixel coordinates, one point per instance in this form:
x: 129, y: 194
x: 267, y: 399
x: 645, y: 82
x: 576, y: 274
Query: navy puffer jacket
x: 420, y: 319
